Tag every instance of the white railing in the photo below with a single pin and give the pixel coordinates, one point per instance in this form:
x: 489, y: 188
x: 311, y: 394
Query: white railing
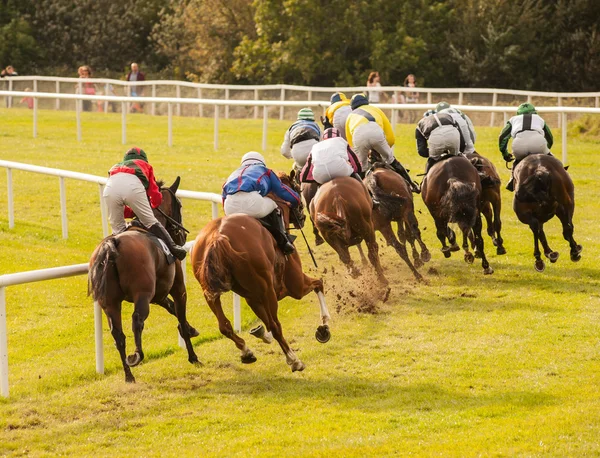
x: 266, y: 104
x: 215, y: 199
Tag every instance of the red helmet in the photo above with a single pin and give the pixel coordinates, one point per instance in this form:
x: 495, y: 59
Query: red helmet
x: 332, y: 132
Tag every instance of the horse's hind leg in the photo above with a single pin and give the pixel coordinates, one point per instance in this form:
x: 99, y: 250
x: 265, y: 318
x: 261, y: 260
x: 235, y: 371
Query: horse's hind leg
x: 400, y: 248
x: 442, y: 232
x: 141, y: 310
x: 169, y: 306
x: 373, y: 250
x: 344, y: 255
x: 535, y: 228
x: 179, y: 293
x: 477, y: 228
x: 112, y: 311
x: 227, y: 330
x: 548, y: 252
x: 469, y: 258
x: 567, y: 224
x: 413, y: 233
x: 498, y: 241
x: 363, y: 258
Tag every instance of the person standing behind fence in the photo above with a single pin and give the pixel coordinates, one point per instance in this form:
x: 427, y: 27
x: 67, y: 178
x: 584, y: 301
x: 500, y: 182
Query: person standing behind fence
x: 8, y: 71
x: 300, y: 138
x: 136, y: 91
x: 87, y: 88
x: 374, y: 81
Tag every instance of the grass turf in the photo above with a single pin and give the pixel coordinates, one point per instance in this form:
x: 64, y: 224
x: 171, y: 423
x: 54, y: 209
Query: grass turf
x: 464, y: 365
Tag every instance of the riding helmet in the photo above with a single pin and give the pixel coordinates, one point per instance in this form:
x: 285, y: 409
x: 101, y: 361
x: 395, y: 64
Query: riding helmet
x: 338, y: 97
x: 332, y: 132
x: 252, y: 157
x: 358, y: 100
x: 135, y: 153
x: 526, y: 108
x: 441, y: 106
x: 306, y: 114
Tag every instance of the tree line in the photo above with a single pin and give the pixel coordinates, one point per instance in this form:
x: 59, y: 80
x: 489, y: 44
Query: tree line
x: 547, y: 45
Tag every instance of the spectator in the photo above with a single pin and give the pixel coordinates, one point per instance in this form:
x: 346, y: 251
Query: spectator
x: 28, y: 100
x: 8, y: 71
x: 88, y: 87
x: 111, y: 105
x: 410, y: 97
x: 374, y: 81
x: 136, y: 91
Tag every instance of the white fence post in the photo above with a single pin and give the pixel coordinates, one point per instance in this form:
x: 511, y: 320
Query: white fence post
x: 216, y: 141
x: 103, y: 211
x: 256, y: 107
x: 237, y: 314
x: 227, y: 106
x: 559, y: 115
x: 3, y: 345
x: 265, y: 122
x: 429, y: 102
x: 215, y: 210
x: 460, y: 98
x: 106, y: 92
x: 281, y: 108
x: 123, y: 123
x: 35, y: 116
x: 58, y: 92
x: 564, y: 137
x: 63, y: 208
x: 597, y: 104
x: 170, y: 123
x: 98, y: 338
x: 178, y: 95
x: 200, y: 107
x: 153, y: 103
x: 492, y: 114
x: 11, y: 204
x: 10, y: 88
x: 78, y: 118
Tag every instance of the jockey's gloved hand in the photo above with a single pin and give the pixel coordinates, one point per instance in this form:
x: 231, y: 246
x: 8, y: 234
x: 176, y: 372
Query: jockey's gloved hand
x: 325, y: 122
x: 508, y: 157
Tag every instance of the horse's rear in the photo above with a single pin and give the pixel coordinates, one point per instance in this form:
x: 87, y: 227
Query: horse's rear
x: 236, y: 253
x: 452, y: 193
x: 342, y: 212
x: 543, y: 188
x: 395, y: 203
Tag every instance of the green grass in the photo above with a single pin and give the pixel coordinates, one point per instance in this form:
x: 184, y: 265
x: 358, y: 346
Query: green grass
x: 465, y: 365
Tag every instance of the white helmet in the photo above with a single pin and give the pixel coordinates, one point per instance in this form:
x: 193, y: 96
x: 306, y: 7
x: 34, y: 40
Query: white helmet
x: 252, y: 157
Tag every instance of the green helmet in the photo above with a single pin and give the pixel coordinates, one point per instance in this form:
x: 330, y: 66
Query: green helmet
x: 441, y: 106
x: 306, y: 114
x: 135, y: 153
x: 526, y: 108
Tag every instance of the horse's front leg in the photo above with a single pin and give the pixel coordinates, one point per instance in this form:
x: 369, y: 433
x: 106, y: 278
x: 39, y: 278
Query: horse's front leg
x: 477, y: 229
x: 496, y: 207
x: 179, y: 294
x: 169, y: 306
x: 469, y: 258
x: 400, y: 248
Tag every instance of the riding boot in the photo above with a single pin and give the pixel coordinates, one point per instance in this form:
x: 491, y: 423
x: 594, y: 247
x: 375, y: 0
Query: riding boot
x: 274, y: 223
x: 430, y: 163
x: 511, y: 183
x: 177, y: 251
x: 400, y: 170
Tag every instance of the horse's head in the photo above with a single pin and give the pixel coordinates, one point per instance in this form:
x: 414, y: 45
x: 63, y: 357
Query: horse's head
x: 169, y: 212
x: 292, y: 180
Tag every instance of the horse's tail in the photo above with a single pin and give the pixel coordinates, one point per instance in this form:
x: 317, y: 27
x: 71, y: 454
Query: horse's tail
x: 336, y: 223
x: 536, y: 187
x: 389, y: 203
x: 459, y: 203
x: 105, y: 257
x: 214, y: 273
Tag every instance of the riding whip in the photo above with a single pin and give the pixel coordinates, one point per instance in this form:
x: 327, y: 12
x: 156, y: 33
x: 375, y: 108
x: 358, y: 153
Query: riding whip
x: 304, y: 236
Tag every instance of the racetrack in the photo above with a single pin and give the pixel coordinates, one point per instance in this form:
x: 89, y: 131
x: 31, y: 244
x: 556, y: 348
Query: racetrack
x: 465, y: 365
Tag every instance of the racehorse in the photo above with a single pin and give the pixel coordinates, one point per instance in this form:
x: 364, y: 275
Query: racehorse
x: 452, y: 192
x: 342, y: 212
x: 395, y: 203
x: 543, y: 189
x: 131, y: 267
x: 236, y: 253
x: 491, y: 202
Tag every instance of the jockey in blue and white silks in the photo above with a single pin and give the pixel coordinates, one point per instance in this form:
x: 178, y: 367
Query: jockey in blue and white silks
x: 246, y: 189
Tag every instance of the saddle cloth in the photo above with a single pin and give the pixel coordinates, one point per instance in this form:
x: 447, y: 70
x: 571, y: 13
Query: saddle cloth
x: 161, y: 245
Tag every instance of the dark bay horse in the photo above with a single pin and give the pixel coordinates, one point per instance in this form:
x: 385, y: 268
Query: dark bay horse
x: 543, y: 188
x: 395, y: 203
x: 491, y: 202
x: 236, y: 253
x: 452, y: 192
x: 130, y: 267
x: 342, y: 212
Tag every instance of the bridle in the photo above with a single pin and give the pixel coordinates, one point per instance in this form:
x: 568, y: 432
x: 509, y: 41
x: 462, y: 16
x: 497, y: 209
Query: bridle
x: 174, y: 223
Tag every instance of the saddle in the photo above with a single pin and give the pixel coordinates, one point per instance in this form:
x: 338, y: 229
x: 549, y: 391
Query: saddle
x: 162, y: 246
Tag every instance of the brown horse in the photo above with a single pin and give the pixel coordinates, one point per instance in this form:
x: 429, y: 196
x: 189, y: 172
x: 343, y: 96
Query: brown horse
x: 129, y: 266
x: 491, y: 202
x: 543, y: 189
x: 395, y: 203
x: 236, y: 253
x: 342, y: 212
x: 452, y: 192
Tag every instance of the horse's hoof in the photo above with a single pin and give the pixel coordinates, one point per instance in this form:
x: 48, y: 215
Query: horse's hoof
x: 134, y: 360
x: 129, y: 379
x: 447, y: 254
x: 248, y: 358
x: 500, y: 250
x: 455, y: 247
x: 539, y: 265
x: 575, y: 257
x: 323, y: 335
x: 425, y: 256
x: 469, y: 258
x: 553, y: 256
x: 193, y: 331
x: 418, y: 263
x: 354, y: 272
x: 297, y: 366
x: 195, y: 361
x: 478, y: 255
x: 488, y: 271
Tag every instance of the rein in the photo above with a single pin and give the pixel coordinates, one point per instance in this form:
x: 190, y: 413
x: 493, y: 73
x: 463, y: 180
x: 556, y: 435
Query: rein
x: 172, y: 221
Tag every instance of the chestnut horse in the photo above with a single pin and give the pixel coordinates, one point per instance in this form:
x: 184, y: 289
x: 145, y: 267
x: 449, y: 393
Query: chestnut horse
x: 491, y: 202
x: 395, y: 203
x: 342, y: 212
x: 452, y: 192
x: 543, y: 188
x: 129, y: 266
x: 236, y: 253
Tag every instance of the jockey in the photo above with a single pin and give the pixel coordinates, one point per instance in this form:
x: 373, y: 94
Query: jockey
x: 531, y: 136
x: 368, y: 128
x: 300, y: 138
x: 329, y: 159
x: 245, y: 192
x: 131, y: 188
x: 337, y: 113
x: 464, y: 124
x: 438, y: 134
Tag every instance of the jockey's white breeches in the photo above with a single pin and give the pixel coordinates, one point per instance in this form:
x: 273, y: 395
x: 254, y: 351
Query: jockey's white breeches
x: 126, y: 189
x: 444, y: 139
x: 369, y: 137
x: 529, y: 142
x: 301, y: 150
x: 328, y: 170
x: 339, y: 119
x: 249, y: 203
